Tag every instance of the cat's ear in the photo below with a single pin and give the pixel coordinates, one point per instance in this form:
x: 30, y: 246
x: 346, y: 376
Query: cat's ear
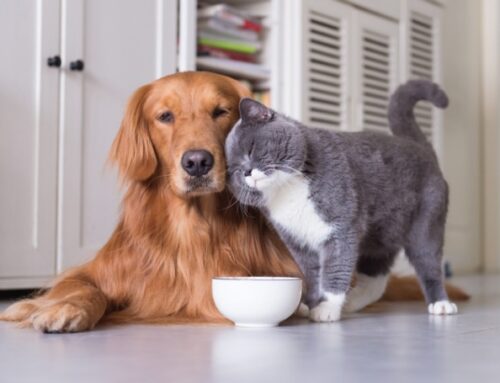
x: 254, y: 111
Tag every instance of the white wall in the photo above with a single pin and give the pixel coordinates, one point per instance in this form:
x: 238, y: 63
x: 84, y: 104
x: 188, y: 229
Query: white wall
x: 491, y: 133
x: 462, y: 127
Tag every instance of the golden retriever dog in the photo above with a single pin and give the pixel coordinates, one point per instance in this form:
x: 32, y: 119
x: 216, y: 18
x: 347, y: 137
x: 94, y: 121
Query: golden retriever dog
x: 179, y: 226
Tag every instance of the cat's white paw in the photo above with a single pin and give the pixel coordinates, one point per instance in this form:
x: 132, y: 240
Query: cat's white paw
x: 326, y: 312
x: 442, y: 308
x: 302, y: 311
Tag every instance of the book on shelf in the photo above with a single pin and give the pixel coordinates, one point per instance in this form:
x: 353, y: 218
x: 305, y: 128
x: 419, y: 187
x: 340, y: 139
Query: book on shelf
x: 230, y: 16
x: 223, y: 29
x: 204, y: 50
x: 217, y: 41
x: 234, y: 68
x: 229, y: 42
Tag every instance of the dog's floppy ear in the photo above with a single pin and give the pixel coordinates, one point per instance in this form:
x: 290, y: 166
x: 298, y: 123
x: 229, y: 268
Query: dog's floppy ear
x: 132, y: 149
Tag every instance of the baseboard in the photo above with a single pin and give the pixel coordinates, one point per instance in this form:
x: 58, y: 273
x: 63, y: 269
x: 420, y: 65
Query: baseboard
x: 24, y: 282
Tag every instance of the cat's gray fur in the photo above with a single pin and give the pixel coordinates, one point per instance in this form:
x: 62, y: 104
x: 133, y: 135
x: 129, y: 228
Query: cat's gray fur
x: 380, y: 193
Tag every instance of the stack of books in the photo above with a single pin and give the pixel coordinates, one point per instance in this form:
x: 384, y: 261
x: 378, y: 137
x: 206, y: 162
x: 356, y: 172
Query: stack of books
x: 229, y: 42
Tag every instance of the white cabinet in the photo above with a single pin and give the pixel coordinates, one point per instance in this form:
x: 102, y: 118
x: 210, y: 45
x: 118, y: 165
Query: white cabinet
x: 316, y: 84
x: 324, y: 53
x: 388, y: 8
x: 344, y: 65
x: 58, y: 200
x: 28, y: 139
x: 121, y: 51
x: 420, y: 30
x: 375, y: 70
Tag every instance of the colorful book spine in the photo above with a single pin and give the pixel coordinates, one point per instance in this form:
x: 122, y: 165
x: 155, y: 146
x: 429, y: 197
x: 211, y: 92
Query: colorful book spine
x: 204, y: 50
x: 228, y: 44
x: 230, y: 15
x: 224, y: 29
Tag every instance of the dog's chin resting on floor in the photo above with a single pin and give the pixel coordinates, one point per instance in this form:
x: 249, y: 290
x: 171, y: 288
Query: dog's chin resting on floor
x: 179, y: 227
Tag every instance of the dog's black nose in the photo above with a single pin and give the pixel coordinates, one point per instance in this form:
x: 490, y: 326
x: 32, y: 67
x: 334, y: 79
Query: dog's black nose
x: 197, y: 162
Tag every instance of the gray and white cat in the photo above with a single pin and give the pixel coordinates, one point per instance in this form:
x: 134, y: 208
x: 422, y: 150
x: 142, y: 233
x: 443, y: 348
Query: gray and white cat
x: 347, y: 201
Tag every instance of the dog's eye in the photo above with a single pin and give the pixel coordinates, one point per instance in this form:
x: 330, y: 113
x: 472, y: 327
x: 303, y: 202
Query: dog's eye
x: 219, y: 112
x: 166, y: 117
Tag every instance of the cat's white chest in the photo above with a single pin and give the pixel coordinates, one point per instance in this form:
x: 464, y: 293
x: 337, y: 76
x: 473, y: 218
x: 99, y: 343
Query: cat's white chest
x: 289, y: 206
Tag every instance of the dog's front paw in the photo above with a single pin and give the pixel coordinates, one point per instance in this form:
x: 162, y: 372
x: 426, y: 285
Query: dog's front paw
x: 325, y: 312
x: 61, y: 317
x: 442, y: 308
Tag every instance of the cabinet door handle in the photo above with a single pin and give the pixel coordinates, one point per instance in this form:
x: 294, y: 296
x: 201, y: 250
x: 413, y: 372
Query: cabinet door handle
x: 76, y: 65
x: 54, y: 61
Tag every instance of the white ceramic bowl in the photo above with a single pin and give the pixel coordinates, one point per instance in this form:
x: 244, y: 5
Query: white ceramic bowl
x: 257, y: 301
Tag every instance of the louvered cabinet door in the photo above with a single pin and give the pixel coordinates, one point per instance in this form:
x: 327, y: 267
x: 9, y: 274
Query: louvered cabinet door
x: 375, y: 71
x: 421, y: 58
x: 317, y: 83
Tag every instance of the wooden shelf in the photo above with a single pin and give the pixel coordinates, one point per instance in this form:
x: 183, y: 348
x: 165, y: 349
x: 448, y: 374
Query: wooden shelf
x: 250, y: 71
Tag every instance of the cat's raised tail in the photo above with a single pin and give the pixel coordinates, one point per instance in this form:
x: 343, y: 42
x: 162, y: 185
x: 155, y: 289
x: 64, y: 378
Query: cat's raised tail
x: 401, y: 118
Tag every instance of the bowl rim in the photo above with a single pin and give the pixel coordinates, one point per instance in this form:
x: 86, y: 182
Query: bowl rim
x: 256, y: 278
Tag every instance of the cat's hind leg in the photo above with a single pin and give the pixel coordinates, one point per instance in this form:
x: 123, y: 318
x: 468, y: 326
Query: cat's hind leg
x: 374, y: 265
x: 425, y: 248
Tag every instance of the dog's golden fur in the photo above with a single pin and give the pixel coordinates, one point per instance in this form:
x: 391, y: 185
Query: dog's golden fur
x: 173, y: 235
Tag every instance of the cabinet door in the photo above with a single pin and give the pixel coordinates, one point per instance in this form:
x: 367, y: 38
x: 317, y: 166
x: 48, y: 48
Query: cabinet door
x: 316, y: 56
x: 28, y: 141
x: 389, y: 8
x: 375, y: 74
x: 123, y: 44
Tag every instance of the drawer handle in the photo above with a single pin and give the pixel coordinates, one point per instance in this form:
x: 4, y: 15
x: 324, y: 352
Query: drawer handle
x: 76, y: 65
x: 54, y: 61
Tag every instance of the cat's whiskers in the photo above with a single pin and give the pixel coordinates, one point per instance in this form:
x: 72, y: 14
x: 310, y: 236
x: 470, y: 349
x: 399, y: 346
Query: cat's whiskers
x: 234, y: 201
x: 242, y: 196
x: 289, y: 168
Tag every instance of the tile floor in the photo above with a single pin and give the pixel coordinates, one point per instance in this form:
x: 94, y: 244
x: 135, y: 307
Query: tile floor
x: 395, y: 342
